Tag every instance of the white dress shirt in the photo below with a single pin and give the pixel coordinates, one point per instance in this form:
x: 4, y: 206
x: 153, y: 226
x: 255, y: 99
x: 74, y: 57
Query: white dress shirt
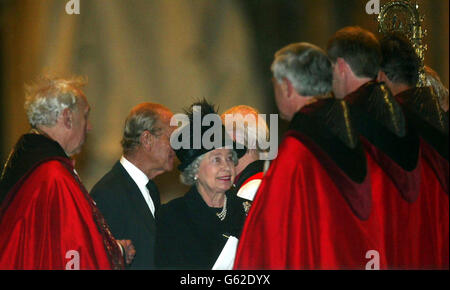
x: 141, y: 181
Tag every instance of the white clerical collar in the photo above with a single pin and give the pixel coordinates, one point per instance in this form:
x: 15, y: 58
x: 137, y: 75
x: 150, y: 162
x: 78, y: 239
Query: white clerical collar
x: 136, y: 174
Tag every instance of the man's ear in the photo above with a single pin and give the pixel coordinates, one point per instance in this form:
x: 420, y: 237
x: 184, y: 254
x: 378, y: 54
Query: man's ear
x: 67, y: 118
x: 381, y: 76
x: 290, y: 88
x: 342, y: 65
x: 146, y: 139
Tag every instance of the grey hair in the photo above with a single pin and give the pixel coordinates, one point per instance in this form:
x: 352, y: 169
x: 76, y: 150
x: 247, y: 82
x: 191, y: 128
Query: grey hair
x: 188, y: 175
x: 142, y: 118
x: 306, y: 66
x: 46, y: 98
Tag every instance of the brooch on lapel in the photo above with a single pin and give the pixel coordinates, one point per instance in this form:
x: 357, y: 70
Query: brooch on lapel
x: 247, y: 206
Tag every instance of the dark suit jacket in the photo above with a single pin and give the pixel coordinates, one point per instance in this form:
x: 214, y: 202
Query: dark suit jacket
x: 127, y: 214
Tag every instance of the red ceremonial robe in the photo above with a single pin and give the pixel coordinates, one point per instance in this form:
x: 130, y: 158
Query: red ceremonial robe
x: 409, y: 227
x: 300, y: 220
x: 424, y: 115
x: 48, y: 221
x: 404, y: 188
x: 436, y: 204
x: 415, y: 222
x: 49, y: 224
x: 308, y: 212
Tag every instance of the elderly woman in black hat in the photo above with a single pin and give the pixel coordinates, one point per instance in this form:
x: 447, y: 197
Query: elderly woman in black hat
x: 193, y: 230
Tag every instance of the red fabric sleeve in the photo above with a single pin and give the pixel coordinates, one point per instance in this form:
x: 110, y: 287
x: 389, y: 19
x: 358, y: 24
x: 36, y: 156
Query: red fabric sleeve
x: 49, y: 217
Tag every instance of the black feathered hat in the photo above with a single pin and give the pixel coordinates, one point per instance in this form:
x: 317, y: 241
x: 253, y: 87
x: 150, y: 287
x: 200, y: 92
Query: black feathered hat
x: 204, y: 125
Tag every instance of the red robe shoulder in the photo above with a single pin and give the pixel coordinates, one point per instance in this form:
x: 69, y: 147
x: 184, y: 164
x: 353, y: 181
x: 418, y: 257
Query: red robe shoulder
x: 300, y: 219
x: 49, y: 224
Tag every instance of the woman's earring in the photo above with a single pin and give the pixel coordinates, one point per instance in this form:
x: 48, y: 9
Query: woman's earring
x: 195, y: 178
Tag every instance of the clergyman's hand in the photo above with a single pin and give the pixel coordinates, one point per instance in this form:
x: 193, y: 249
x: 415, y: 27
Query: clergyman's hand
x: 130, y: 251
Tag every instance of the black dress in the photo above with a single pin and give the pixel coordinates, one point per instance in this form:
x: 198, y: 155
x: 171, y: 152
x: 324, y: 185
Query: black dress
x: 189, y: 233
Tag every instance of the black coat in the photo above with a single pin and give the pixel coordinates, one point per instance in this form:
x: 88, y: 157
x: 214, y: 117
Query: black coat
x: 127, y: 214
x: 190, y: 235
x: 252, y: 169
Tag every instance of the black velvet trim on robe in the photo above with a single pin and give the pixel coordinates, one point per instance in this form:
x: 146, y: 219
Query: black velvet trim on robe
x: 325, y: 129
x: 379, y: 118
x: 424, y: 115
x: 326, y: 124
x: 28, y: 151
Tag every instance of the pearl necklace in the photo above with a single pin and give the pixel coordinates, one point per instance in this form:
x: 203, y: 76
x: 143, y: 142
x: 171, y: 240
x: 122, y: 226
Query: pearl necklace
x: 221, y: 215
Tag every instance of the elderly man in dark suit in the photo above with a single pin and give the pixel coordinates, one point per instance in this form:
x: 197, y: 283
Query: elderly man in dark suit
x: 126, y: 195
